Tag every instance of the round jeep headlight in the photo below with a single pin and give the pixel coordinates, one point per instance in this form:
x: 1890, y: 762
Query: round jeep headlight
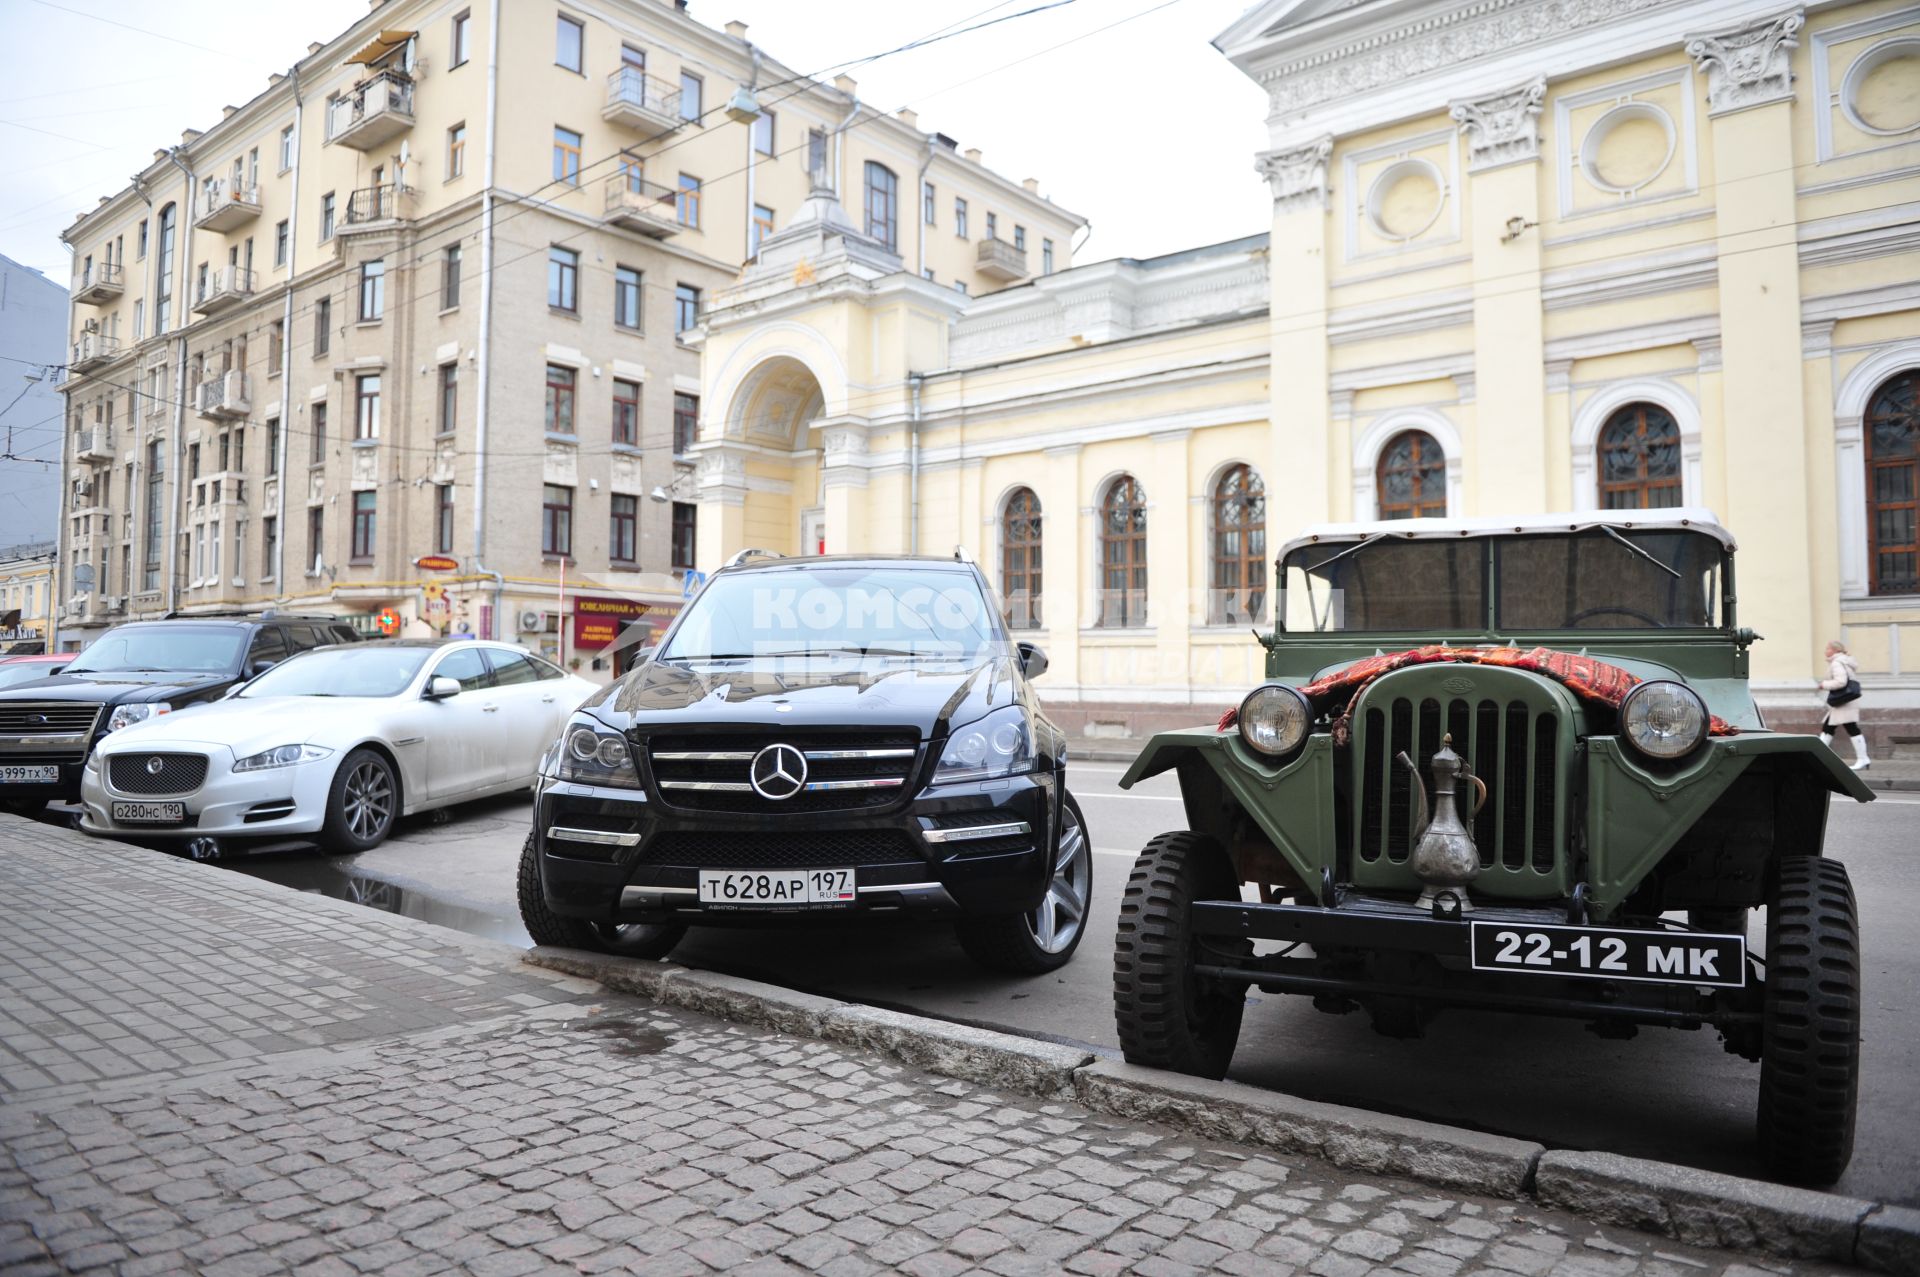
x: 1275, y: 719
x: 1663, y: 719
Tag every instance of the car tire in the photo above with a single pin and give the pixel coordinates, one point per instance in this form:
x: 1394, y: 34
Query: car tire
x: 1810, y: 1029
x: 1168, y: 1017
x: 626, y: 940
x: 362, y: 804
x: 1043, y: 939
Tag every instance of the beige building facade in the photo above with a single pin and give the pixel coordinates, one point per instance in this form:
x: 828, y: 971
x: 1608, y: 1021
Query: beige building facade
x: 26, y: 598
x: 406, y: 336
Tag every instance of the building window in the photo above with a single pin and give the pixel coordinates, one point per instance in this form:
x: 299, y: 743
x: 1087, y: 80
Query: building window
x: 960, y: 286
x: 366, y: 406
x: 286, y: 148
x: 273, y: 446
x: 318, y: 454
x: 563, y: 279
x: 1020, y: 559
x: 280, y: 242
x: 1239, y: 594
x: 622, y: 537
x: 373, y: 290
x: 163, y: 272
x: 883, y: 204
x: 443, y: 518
x: 686, y: 307
x: 322, y: 326
x: 1892, y: 429
x: 690, y: 96
x: 817, y: 154
x: 626, y: 297
x: 276, y: 339
x: 763, y: 132
x: 456, y: 150
x: 1411, y: 478
x: 556, y: 521
x: 326, y: 217
x: 462, y: 37
x: 450, y: 277
x: 626, y: 412
x: 139, y: 318
x: 686, y: 202
x: 960, y: 218
x: 140, y: 242
x: 1046, y: 257
x: 156, y: 470
x: 927, y: 203
x: 449, y: 398
x: 566, y: 156
x: 1123, y: 554
x: 1020, y: 238
x: 269, y: 546
x: 569, y: 36
x: 365, y: 509
x: 685, y: 514
x: 561, y: 383
x: 762, y: 227
x: 316, y: 537
x: 1640, y: 459
x: 686, y: 422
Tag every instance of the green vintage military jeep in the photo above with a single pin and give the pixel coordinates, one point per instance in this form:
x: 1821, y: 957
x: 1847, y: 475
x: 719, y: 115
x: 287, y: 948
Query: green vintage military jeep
x: 1510, y: 765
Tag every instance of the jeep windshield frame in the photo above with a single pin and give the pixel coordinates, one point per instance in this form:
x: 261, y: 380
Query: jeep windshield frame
x: 1600, y: 582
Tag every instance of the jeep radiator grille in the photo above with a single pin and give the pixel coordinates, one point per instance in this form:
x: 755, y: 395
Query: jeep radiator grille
x: 710, y: 770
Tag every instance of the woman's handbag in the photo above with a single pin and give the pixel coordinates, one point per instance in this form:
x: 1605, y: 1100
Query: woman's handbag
x: 1846, y: 695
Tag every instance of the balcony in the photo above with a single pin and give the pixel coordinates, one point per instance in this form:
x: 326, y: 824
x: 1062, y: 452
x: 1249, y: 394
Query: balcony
x: 373, y: 112
x: 639, y: 205
x: 229, y: 207
x: 99, y: 283
x: 93, y: 444
x: 997, y: 260
x: 94, y: 350
x: 223, y: 396
x: 223, y: 289
x: 374, y: 208
x: 641, y: 102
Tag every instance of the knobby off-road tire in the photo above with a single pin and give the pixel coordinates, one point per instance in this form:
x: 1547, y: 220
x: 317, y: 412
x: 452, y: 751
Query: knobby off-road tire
x: 1810, y: 1036
x: 1168, y: 1017
x: 630, y: 940
x: 1043, y: 939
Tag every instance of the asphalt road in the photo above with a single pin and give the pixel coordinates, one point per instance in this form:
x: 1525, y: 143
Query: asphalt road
x: 1676, y: 1096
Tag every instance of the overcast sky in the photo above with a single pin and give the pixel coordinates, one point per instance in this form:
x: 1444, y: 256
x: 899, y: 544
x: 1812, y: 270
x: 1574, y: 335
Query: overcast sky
x: 1143, y: 128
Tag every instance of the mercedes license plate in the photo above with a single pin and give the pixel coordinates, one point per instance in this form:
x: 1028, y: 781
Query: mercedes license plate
x: 149, y: 813
x: 1661, y: 957
x: 29, y: 775
x: 776, y: 887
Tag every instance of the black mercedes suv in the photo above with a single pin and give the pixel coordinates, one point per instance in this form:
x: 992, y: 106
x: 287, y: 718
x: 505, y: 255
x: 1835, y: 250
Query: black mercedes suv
x: 814, y: 739
x: 130, y: 673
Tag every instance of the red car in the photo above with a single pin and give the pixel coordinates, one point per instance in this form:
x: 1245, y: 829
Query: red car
x: 15, y: 670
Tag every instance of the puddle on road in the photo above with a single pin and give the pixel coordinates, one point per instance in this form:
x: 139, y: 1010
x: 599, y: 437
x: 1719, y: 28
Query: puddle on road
x: 625, y: 1037
x: 328, y: 877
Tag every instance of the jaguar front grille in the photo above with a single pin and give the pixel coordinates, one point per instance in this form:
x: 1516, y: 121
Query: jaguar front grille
x: 152, y: 774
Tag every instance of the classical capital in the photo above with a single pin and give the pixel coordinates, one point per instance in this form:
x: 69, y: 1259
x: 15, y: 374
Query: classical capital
x: 1298, y: 176
x: 1748, y: 65
x: 1500, y: 128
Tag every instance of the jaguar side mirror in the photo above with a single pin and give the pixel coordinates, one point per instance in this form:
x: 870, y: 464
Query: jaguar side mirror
x: 1033, y: 661
x: 442, y: 687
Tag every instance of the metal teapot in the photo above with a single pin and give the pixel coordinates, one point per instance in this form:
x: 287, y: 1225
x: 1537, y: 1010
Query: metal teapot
x: 1444, y: 858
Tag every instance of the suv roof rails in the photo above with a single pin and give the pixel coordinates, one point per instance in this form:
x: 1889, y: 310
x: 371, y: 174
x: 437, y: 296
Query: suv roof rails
x: 244, y: 614
x: 962, y: 555
x: 751, y: 553
x: 281, y: 614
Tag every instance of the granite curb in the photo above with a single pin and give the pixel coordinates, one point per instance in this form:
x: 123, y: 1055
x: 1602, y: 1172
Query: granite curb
x: 1698, y: 1207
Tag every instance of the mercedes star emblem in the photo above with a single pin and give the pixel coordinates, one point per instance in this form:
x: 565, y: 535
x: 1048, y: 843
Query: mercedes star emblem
x: 154, y: 765
x: 778, y: 772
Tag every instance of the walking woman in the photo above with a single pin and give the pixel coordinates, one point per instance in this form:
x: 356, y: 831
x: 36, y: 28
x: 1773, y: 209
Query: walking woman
x: 1842, y: 686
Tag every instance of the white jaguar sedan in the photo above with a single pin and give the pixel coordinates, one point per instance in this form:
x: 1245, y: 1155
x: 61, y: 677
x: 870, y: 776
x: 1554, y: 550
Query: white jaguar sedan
x: 335, y: 744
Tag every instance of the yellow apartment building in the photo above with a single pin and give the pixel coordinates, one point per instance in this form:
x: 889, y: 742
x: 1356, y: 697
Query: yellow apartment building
x: 1526, y: 255
x: 426, y: 297
x: 26, y: 597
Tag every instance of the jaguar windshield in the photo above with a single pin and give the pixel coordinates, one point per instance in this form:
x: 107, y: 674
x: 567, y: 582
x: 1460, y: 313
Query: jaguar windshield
x: 343, y: 671
x: 168, y: 648
x: 1598, y: 578
x: 836, y: 611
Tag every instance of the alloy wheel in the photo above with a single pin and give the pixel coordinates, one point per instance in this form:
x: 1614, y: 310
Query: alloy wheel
x: 368, y: 800
x: 1057, y: 922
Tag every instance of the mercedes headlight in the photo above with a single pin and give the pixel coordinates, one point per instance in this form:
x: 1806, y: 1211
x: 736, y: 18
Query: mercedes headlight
x: 1001, y: 744
x: 128, y: 715
x: 589, y: 753
x: 281, y: 756
x: 1274, y: 720
x: 1663, y: 719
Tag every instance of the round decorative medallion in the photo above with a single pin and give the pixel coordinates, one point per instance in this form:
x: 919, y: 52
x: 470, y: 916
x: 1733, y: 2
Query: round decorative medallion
x: 1628, y: 147
x: 1405, y: 199
x: 1880, y: 93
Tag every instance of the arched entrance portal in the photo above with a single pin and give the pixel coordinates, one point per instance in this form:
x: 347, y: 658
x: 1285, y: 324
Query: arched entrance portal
x: 762, y: 476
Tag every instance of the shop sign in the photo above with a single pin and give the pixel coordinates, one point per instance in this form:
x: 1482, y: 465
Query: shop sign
x: 598, y: 622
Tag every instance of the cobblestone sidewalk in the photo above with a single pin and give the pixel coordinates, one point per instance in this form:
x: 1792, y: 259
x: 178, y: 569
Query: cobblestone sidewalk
x: 455, y: 1126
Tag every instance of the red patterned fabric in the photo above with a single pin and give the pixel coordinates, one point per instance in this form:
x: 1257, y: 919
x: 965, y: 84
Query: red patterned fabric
x: 1582, y: 675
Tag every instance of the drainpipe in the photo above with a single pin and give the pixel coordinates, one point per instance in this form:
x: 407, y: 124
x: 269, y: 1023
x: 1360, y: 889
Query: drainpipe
x: 176, y: 501
x: 920, y: 197
x: 914, y: 379
x: 486, y: 315
x: 56, y: 582
x: 753, y: 82
x: 840, y: 153
x: 286, y: 351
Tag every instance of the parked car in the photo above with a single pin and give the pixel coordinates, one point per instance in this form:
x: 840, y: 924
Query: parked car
x: 337, y: 744
x: 15, y: 670
x: 131, y: 673
x: 1511, y: 765
x: 816, y: 739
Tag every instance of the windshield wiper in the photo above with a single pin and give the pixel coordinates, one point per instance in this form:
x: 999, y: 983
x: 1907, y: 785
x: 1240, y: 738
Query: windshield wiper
x: 1672, y: 572
x: 845, y: 649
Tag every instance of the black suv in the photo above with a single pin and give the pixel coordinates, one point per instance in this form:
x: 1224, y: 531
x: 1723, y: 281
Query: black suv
x: 816, y: 738
x: 130, y: 673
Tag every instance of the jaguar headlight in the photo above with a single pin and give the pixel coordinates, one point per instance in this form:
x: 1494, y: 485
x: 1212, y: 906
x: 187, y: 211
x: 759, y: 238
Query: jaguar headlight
x: 1274, y: 720
x: 128, y: 715
x: 589, y: 753
x: 1663, y: 719
x: 1001, y: 744
x: 281, y: 756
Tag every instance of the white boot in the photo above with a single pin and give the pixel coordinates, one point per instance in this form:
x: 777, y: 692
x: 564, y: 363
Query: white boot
x: 1860, y: 761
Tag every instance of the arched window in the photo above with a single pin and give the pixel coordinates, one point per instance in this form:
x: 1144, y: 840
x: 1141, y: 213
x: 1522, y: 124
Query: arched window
x: 1892, y: 430
x: 163, y: 273
x: 1239, y: 591
x: 1411, y: 479
x: 1020, y: 559
x: 883, y: 204
x: 1640, y: 459
x: 1123, y: 554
